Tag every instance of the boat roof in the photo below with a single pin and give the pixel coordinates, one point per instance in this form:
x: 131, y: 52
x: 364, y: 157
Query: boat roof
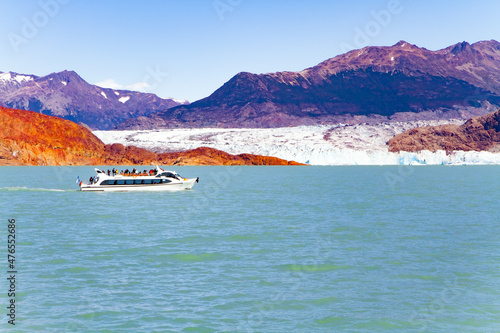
x: 160, y: 170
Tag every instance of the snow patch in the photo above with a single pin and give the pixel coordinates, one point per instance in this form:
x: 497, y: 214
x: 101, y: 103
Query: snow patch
x: 124, y: 99
x: 392, y: 58
x: 104, y: 94
x: 117, y: 93
x: 22, y: 78
x: 8, y: 76
x: 64, y: 82
x: 180, y: 101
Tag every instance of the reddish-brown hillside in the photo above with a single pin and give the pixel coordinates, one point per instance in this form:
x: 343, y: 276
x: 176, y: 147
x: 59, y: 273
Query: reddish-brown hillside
x: 210, y: 156
x: 30, y: 138
x: 478, y: 133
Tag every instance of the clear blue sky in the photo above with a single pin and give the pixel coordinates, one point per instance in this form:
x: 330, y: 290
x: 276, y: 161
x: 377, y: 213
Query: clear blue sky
x: 187, y: 49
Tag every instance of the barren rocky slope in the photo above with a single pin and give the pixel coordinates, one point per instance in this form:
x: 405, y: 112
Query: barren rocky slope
x: 477, y: 134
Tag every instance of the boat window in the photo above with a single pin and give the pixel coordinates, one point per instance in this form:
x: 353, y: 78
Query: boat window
x: 129, y: 182
x: 148, y: 181
x: 168, y: 174
x: 156, y: 181
x: 137, y: 182
x: 165, y: 181
x: 120, y: 182
x: 108, y: 182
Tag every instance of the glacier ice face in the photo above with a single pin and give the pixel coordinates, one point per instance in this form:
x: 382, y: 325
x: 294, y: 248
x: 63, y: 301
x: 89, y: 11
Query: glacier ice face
x: 316, y: 145
x: 454, y: 158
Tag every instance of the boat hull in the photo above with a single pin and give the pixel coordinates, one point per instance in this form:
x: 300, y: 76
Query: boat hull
x: 174, y: 186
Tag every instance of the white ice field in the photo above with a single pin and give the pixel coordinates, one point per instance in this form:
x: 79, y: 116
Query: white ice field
x: 316, y: 145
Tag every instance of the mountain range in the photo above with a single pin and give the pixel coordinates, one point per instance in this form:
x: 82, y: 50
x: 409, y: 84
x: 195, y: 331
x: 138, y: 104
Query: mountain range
x: 372, y: 84
x: 67, y: 95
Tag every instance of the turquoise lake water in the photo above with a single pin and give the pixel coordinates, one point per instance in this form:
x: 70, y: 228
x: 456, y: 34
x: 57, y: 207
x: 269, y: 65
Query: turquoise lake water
x: 257, y: 249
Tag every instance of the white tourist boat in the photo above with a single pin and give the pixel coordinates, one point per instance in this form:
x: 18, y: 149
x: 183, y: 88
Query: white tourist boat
x: 155, y: 179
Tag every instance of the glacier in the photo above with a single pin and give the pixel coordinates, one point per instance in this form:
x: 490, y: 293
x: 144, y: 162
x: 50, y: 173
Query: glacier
x: 338, y: 144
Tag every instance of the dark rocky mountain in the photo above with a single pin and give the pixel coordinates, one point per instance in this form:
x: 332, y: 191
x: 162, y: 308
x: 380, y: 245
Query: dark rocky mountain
x: 67, y: 95
x: 372, y: 84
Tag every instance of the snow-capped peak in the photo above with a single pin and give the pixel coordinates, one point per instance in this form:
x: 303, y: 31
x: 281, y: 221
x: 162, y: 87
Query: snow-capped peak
x: 10, y: 77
